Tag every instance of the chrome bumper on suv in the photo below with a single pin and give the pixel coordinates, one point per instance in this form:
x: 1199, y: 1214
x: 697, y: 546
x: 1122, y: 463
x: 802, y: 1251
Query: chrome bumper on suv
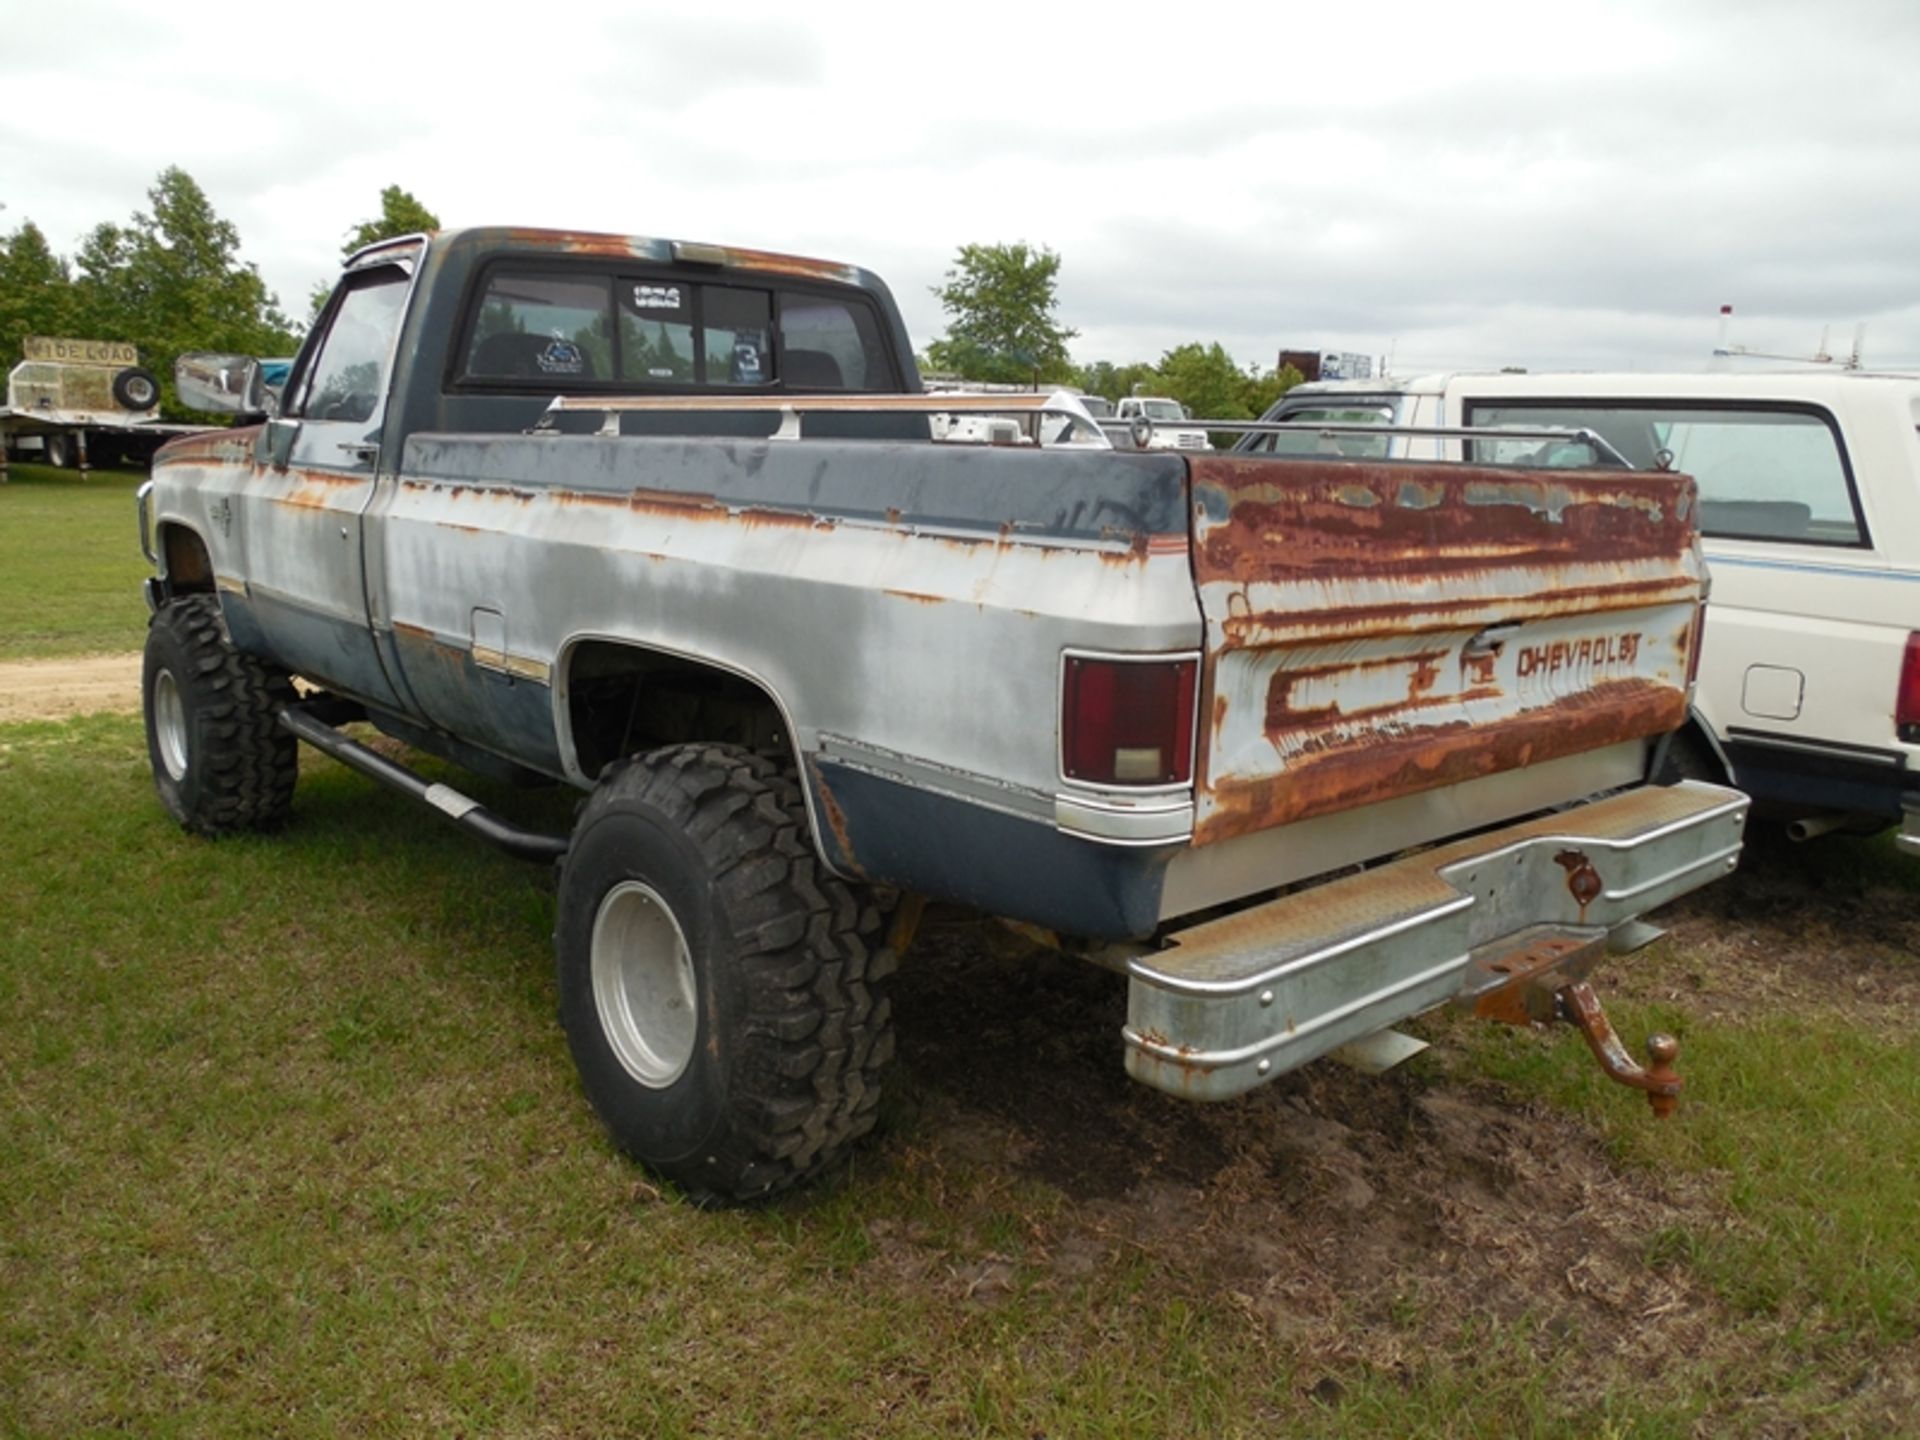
x: 1909, y: 837
x: 1234, y: 1002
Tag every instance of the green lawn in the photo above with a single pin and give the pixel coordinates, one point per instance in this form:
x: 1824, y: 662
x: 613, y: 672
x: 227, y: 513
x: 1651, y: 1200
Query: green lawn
x: 292, y: 1144
x: 70, y: 563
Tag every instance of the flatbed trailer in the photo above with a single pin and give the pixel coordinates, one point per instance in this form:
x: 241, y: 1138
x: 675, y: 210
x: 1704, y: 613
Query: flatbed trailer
x: 79, y: 404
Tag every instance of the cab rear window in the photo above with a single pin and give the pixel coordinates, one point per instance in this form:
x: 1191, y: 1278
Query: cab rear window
x: 1339, y: 439
x: 1765, y: 472
x: 552, y: 331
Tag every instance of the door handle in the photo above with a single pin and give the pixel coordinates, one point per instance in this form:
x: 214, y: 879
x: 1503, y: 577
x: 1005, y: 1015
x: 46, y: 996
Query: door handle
x: 361, y: 450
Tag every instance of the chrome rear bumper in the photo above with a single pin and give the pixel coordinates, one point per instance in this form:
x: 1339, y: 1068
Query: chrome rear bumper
x: 1909, y: 837
x: 1238, y: 1001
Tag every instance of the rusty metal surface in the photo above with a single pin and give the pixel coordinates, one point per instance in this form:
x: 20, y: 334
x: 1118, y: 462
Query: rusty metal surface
x: 1516, y: 984
x: 1581, y: 1008
x: 584, y: 242
x: 213, y: 447
x: 1235, y: 1001
x: 877, y: 591
x: 1228, y: 950
x: 1377, y: 629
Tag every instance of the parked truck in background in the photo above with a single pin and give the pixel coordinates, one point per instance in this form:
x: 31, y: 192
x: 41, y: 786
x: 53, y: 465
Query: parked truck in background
x: 1171, y: 427
x: 1300, y: 748
x: 1809, y: 481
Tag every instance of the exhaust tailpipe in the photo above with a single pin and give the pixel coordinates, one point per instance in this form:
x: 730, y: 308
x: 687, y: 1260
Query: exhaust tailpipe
x: 1813, y: 827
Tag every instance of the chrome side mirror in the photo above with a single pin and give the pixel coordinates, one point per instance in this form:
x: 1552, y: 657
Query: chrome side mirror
x: 222, y: 384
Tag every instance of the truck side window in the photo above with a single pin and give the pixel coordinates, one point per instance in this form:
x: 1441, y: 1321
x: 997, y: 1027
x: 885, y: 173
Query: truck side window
x: 349, y: 374
x: 1764, y: 473
x: 542, y: 327
x: 828, y: 344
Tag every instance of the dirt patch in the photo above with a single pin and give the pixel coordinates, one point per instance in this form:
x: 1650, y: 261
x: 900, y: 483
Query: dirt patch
x: 1386, y: 1223
x: 72, y: 685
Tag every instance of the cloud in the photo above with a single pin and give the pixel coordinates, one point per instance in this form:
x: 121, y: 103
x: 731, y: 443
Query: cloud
x: 1489, y: 182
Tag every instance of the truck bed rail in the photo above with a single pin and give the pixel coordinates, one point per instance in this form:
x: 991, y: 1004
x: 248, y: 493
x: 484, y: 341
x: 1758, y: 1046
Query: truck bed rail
x: 791, y: 407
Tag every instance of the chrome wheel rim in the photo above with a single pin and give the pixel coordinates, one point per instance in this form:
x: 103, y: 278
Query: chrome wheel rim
x: 170, y: 726
x: 643, y: 984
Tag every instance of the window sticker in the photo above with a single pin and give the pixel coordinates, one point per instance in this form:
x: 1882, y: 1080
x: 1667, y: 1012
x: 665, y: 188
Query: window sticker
x: 656, y: 297
x: 561, y: 357
x: 747, y: 346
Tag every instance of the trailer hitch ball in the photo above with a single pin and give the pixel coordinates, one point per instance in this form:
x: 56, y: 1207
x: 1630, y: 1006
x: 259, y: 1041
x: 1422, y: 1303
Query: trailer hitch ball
x: 1662, y: 1051
x: 1580, y: 1007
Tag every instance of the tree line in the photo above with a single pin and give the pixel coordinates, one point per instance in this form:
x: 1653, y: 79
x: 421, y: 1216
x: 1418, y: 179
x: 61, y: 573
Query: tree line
x: 1003, y: 328
x: 168, y: 280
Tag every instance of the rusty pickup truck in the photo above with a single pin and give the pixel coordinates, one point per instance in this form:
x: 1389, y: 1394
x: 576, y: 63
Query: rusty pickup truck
x: 1300, y: 747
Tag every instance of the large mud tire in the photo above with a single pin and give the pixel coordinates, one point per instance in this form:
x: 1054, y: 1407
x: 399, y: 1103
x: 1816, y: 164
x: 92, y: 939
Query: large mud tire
x: 221, y: 762
x: 725, y: 1013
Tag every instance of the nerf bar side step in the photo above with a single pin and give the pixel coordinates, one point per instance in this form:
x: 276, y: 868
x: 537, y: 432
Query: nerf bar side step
x: 1238, y: 1001
x: 466, y: 812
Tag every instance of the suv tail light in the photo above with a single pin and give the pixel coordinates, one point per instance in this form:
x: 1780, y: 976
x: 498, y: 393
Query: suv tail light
x: 1128, y: 722
x: 1906, y: 706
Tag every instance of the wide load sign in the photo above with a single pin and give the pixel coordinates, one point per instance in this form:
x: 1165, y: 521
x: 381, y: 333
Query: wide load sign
x: 79, y: 352
x: 81, y: 382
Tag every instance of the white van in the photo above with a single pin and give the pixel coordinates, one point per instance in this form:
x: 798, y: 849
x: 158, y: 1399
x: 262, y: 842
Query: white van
x: 1809, y: 494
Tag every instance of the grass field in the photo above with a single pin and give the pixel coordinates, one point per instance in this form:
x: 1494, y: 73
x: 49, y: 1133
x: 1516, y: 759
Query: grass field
x: 70, y: 563
x: 291, y: 1144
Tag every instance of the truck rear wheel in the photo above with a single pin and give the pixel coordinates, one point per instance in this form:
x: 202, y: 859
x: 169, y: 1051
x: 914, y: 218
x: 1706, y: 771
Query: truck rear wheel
x: 723, y: 1010
x: 221, y: 762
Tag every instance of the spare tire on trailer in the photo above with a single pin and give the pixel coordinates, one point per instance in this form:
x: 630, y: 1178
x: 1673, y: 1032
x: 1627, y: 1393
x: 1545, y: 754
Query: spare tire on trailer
x: 136, y: 388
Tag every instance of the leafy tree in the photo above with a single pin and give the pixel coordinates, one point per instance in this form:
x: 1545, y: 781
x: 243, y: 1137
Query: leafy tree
x: 171, y: 280
x: 36, y: 292
x: 1266, y: 386
x: 400, y: 214
x: 1103, y: 377
x: 1001, y: 326
x: 1205, y: 379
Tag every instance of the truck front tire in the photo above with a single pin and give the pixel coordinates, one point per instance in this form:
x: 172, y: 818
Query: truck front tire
x: 723, y: 1010
x: 221, y: 762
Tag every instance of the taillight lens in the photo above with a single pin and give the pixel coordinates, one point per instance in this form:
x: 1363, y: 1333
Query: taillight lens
x: 1128, y: 722
x: 1906, y: 706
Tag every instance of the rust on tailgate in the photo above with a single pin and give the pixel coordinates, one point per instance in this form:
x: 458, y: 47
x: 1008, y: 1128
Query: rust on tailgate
x: 1380, y: 629
x: 1271, y: 520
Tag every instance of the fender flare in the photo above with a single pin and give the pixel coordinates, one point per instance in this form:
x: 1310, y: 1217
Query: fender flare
x: 569, y: 753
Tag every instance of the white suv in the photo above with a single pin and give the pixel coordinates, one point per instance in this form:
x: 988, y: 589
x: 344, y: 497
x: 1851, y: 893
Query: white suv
x: 1809, y: 486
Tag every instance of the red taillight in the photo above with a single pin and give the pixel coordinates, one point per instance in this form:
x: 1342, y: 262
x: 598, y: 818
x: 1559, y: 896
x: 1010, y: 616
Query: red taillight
x: 1906, y: 706
x: 1128, y: 722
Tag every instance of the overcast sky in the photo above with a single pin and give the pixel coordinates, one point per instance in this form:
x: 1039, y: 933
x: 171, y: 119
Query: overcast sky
x: 1464, y: 184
